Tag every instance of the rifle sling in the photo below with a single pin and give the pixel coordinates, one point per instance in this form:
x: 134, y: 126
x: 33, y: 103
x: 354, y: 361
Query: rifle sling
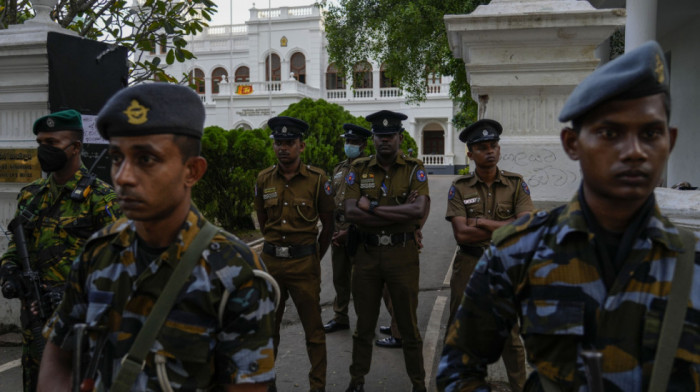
x: 134, y: 362
x: 674, y: 315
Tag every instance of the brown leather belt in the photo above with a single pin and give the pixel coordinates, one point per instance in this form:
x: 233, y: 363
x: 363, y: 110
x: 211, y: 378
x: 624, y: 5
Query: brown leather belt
x: 387, y: 239
x: 475, y: 251
x: 289, y: 252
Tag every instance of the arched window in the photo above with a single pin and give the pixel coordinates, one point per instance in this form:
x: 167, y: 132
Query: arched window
x: 243, y: 126
x: 276, y: 68
x: 334, y: 81
x: 217, y: 76
x: 362, y: 75
x: 197, y: 79
x: 242, y: 75
x: 298, y: 67
x: 163, y: 44
x: 433, y: 139
x: 384, y: 79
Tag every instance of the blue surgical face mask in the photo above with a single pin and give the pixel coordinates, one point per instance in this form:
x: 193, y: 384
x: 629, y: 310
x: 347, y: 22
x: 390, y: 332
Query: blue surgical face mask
x: 352, y: 151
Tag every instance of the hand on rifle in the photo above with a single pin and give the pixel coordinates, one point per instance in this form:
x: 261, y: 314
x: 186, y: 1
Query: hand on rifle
x: 49, y: 301
x: 11, y: 283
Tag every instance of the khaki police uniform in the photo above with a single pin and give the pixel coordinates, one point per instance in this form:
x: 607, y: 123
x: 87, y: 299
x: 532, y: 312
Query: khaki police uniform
x: 291, y: 250
x: 387, y: 255
x: 341, y: 261
x: 470, y: 197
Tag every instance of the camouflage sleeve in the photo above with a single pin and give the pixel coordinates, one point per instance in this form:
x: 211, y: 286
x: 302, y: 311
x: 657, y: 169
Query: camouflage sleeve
x: 71, y: 310
x: 105, y: 208
x: 481, y: 326
x: 245, y: 342
x: 455, y: 205
x: 10, y: 255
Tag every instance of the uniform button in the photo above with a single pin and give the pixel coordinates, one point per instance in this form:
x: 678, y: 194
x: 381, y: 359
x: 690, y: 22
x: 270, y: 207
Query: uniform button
x: 214, y: 246
x: 285, y: 203
x: 489, y: 194
x: 302, y: 203
x: 286, y: 185
x: 489, y: 211
x: 541, y: 213
x: 284, y: 221
x: 284, y: 237
x: 253, y: 367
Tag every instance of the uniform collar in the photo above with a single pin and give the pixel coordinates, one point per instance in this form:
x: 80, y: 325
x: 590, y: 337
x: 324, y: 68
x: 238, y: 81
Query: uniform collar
x: 72, y: 182
x: 659, y: 229
x: 303, y: 170
x: 400, y: 160
x: 188, y: 231
x: 498, y: 178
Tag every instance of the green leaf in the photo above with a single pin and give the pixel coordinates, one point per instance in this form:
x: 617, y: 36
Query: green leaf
x: 170, y: 57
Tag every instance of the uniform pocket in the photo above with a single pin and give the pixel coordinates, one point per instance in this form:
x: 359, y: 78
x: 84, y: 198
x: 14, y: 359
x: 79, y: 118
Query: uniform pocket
x: 504, y: 210
x: 80, y: 227
x: 305, y: 208
x: 553, y: 317
x: 98, y: 303
x: 474, y: 207
x: 689, y: 345
x: 186, y: 341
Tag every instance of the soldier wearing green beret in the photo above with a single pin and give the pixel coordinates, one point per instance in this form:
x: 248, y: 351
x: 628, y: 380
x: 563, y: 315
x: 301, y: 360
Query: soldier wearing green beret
x: 605, y: 287
x: 58, y: 214
x: 214, y: 331
x: 290, y: 199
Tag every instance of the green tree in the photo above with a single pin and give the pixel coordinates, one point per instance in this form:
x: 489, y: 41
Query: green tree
x: 408, y: 37
x: 140, y: 26
x: 225, y: 194
x: 324, y: 146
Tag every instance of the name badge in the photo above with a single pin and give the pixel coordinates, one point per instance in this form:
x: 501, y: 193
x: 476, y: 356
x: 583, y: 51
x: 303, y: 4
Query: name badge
x: 269, y: 193
x: 472, y: 200
x: 367, y: 184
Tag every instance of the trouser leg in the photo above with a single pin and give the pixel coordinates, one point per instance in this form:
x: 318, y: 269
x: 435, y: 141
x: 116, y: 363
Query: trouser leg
x: 390, y: 308
x: 342, y: 273
x: 462, y: 269
x: 514, y: 358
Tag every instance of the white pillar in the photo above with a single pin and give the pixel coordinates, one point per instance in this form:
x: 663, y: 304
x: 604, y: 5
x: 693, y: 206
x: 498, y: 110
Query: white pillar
x: 641, y: 23
x: 449, y: 136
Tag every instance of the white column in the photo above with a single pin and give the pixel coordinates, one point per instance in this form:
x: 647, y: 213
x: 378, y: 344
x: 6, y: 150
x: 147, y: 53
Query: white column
x: 207, y: 89
x: 376, y: 73
x: 641, y: 23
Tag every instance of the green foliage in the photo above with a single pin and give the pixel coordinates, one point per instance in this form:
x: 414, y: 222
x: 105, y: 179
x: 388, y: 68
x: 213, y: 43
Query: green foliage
x: 463, y: 172
x: 225, y: 194
x: 139, y: 26
x: 358, y: 30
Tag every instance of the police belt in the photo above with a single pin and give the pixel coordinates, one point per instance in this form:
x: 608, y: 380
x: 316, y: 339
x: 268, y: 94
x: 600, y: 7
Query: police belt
x: 289, y: 252
x: 475, y: 251
x: 386, y: 239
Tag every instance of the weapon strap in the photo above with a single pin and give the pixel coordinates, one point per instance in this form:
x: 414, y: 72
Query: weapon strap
x: 134, y: 362
x: 674, y: 315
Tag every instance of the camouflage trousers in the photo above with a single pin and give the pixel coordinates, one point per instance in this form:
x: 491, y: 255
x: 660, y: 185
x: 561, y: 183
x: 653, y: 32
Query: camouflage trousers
x: 30, y: 361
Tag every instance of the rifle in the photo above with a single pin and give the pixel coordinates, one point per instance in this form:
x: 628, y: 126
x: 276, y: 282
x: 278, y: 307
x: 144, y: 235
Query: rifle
x: 31, y: 288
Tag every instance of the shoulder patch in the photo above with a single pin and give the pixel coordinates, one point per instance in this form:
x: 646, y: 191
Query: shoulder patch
x: 451, y: 193
x: 327, y: 187
x: 350, y: 178
x: 420, y: 175
x: 526, y: 189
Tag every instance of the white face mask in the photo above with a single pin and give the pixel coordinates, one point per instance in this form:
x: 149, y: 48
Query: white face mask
x: 352, y: 151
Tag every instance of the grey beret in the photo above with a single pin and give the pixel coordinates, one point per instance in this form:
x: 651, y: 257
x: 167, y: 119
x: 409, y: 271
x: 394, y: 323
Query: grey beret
x: 287, y: 128
x: 386, y: 122
x: 638, y: 73
x: 152, y: 108
x: 481, y: 131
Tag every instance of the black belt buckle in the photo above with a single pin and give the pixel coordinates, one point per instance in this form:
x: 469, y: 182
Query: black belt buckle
x: 283, y: 252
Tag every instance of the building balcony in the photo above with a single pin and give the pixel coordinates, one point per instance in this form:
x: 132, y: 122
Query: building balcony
x: 384, y: 93
x: 437, y: 160
x: 256, y: 89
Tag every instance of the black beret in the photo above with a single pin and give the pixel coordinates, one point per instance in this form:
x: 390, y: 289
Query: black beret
x: 386, y: 122
x: 152, y: 108
x: 287, y: 128
x: 353, y: 131
x: 481, y: 131
x: 66, y: 120
x: 638, y: 73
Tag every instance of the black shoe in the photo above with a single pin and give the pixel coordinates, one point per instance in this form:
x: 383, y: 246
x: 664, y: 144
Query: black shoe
x: 385, y: 329
x: 272, y: 387
x: 333, y: 326
x: 356, y: 388
x: 390, y: 342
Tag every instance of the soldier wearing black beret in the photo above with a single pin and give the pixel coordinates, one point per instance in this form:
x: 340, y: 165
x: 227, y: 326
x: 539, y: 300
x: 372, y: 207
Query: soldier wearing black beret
x: 604, y: 285
x: 387, y: 198
x: 290, y: 199
x: 164, y: 244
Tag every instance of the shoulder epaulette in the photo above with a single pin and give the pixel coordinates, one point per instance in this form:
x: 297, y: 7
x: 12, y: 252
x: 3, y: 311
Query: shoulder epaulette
x: 34, y: 186
x: 102, y: 188
x: 511, y: 174
x: 467, y: 176
x: 415, y: 161
x: 361, y: 161
x: 266, y: 170
x: 529, y: 222
x: 316, y: 170
x: 110, y: 230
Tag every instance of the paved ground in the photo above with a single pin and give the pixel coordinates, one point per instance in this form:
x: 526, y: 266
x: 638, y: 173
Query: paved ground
x: 387, y: 371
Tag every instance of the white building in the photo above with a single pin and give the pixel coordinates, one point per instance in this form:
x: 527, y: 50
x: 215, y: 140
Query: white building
x: 232, y: 75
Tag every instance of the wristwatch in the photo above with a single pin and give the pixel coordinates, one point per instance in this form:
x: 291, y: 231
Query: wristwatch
x: 372, y: 205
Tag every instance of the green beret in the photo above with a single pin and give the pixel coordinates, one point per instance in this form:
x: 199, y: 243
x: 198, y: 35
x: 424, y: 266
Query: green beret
x: 66, y: 120
x: 638, y: 73
x: 152, y: 108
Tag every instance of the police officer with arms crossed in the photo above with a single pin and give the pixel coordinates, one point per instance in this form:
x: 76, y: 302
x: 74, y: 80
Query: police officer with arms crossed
x: 290, y: 198
x: 355, y: 142
x: 478, y: 204
x: 601, y: 284
x: 387, y: 198
x: 218, y: 332
x: 58, y: 214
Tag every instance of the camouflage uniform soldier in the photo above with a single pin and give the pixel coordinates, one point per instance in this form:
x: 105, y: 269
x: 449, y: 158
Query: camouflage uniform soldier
x: 290, y: 198
x: 219, y: 331
x: 58, y: 214
x: 387, y: 197
x: 478, y: 204
x: 355, y: 143
x: 591, y: 277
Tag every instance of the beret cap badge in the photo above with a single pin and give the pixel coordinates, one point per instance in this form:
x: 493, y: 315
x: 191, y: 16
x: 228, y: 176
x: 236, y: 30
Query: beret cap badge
x: 659, y: 69
x: 385, y: 122
x: 485, y: 132
x: 50, y: 123
x: 136, y: 113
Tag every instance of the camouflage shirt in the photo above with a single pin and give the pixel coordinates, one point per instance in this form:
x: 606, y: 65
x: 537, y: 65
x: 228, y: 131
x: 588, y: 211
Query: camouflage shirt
x: 543, y: 269
x: 59, y: 225
x: 200, y: 349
